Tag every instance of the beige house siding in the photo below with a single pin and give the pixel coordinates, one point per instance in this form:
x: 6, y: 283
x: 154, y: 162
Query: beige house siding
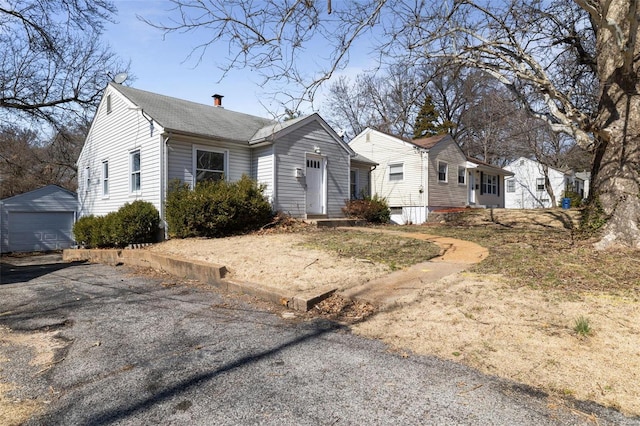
x: 449, y: 193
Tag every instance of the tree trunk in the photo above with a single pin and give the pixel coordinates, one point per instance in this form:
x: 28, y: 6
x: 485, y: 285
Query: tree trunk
x: 548, y: 187
x: 616, y: 170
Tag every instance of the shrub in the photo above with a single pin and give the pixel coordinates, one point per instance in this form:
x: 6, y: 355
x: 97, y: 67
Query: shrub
x: 216, y: 209
x: 84, y: 230
x: 132, y: 224
x: 372, y: 209
x: 576, y: 199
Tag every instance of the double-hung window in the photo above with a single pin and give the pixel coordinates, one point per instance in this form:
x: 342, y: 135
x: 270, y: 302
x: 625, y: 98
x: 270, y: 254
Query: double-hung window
x: 210, y: 165
x: 462, y: 175
x: 135, y: 174
x: 105, y: 178
x: 540, y: 184
x: 396, y: 172
x: 443, y: 169
x: 511, y: 185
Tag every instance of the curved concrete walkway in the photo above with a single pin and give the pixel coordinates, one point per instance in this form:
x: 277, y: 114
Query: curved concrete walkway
x: 401, y: 287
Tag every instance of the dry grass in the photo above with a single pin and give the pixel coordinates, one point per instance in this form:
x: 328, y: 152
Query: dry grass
x: 539, y: 255
x: 390, y: 250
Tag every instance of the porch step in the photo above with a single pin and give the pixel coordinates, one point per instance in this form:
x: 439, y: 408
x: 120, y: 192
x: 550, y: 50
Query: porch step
x: 333, y: 223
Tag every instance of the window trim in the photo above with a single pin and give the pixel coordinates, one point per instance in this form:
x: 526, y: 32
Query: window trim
x: 540, y: 187
x: 397, y: 176
x: 225, y: 165
x: 104, y: 178
x: 133, y: 172
x: 490, y: 184
x: 463, y: 175
x: 446, y: 172
x: 510, y: 185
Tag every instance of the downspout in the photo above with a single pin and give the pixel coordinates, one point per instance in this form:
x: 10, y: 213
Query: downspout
x: 426, y: 188
x: 164, y: 176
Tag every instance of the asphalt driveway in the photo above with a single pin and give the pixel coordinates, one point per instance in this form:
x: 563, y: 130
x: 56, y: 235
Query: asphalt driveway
x: 147, y: 351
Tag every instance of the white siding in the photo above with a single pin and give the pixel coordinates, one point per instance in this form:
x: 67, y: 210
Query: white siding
x: 290, y: 151
x: 262, y: 169
x: 112, y: 137
x: 526, y: 195
x: 386, y: 150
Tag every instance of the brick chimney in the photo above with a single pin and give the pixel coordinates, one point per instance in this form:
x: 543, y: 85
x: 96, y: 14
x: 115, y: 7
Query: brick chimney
x: 217, y: 100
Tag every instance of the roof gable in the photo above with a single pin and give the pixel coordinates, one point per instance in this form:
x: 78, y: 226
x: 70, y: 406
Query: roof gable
x: 277, y: 130
x: 424, y: 143
x: 41, y: 193
x: 514, y: 165
x: 182, y: 116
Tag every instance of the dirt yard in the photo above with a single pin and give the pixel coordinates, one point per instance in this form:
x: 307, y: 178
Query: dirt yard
x: 522, y: 334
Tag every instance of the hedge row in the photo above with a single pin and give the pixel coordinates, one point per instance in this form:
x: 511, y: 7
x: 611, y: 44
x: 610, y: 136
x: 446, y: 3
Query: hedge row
x: 216, y: 208
x: 133, y: 223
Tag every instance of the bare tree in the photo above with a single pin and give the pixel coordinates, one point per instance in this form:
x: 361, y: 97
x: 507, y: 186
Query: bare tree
x: 27, y: 161
x: 573, y: 65
x: 53, y: 66
x: 387, y: 100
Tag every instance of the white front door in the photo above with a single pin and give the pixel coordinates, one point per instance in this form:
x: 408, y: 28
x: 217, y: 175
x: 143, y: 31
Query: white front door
x: 315, y: 184
x: 472, y: 188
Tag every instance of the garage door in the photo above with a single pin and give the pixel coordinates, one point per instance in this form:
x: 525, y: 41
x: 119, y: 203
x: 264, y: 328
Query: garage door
x: 40, y: 231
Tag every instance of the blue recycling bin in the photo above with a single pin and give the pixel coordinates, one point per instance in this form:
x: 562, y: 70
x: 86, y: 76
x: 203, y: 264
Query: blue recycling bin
x: 566, y: 203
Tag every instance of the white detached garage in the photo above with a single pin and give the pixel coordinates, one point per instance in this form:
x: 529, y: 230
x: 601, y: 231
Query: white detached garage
x: 39, y: 220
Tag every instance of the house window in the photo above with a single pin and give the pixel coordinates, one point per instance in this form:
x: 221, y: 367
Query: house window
x: 108, y: 104
x: 443, y: 168
x: 354, y: 184
x: 396, y: 172
x: 209, y: 165
x: 462, y: 175
x: 134, y: 166
x: 489, y: 184
x: 540, y: 184
x: 105, y: 178
x: 511, y: 185
x: 395, y: 210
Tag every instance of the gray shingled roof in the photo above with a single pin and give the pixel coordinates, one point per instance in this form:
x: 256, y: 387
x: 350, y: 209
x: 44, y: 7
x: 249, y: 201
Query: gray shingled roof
x: 182, y: 116
x: 275, y: 127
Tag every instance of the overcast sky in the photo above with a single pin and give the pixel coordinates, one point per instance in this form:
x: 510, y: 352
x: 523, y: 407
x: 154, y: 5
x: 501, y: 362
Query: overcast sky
x: 161, y: 66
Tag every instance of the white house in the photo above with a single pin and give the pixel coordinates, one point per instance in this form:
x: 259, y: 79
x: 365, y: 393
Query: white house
x: 140, y: 141
x: 423, y: 175
x: 526, y: 189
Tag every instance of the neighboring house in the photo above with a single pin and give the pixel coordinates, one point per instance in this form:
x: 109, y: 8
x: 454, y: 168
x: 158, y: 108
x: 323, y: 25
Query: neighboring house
x: 38, y: 220
x: 422, y: 175
x: 486, y: 184
x: 526, y: 189
x: 139, y: 142
x: 583, y: 180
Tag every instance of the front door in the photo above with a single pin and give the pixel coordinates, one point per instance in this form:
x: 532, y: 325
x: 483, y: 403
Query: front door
x: 472, y: 188
x: 315, y: 184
